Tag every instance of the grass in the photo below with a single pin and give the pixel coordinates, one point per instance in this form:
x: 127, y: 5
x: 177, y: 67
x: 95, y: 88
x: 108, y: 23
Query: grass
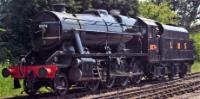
x: 6, y: 87
x: 6, y: 84
x: 195, y: 67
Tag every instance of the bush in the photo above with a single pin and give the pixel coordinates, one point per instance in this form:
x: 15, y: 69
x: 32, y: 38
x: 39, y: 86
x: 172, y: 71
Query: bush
x: 196, y: 39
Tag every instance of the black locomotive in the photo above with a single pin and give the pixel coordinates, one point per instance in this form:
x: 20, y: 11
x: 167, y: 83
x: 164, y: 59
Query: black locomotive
x: 97, y: 48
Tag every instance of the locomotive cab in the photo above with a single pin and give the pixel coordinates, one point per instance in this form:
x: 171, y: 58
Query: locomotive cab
x: 150, y: 39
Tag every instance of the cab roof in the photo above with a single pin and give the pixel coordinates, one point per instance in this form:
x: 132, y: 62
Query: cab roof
x: 148, y: 21
x: 174, y: 28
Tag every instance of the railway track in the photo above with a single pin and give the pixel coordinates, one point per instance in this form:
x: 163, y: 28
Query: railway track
x: 157, y: 91
x: 148, y: 90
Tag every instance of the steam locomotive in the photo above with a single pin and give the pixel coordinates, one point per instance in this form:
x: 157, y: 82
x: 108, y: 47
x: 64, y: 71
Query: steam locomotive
x: 97, y: 48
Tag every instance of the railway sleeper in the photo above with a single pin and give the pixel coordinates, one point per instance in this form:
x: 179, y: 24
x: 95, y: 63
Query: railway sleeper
x: 167, y: 93
x: 163, y: 92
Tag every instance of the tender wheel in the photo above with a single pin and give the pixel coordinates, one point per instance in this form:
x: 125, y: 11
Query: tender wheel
x: 183, y: 70
x: 136, y: 70
x: 172, y: 72
x: 61, y: 84
x: 161, y: 75
x: 93, y: 85
x: 110, y: 83
x: 171, y: 76
x: 149, y: 76
x: 124, y: 81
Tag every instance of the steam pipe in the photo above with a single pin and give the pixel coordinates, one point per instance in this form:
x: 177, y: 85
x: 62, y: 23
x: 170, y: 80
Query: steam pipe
x: 81, y: 49
x: 78, y: 42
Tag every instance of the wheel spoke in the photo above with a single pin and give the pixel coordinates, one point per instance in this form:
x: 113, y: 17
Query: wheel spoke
x: 110, y: 83
x: 124, y: 81
x: 29, y: 87
x: 93, y: 85
x: 136, y: 79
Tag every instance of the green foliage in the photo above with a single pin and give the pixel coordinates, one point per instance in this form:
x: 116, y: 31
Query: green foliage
x: 187, y: 10
x: 127, y: 7
x: 196, y: 39
x: 4, y: 52
x: 2, y: 30
x: 161, y: 13
x: 195, y: 67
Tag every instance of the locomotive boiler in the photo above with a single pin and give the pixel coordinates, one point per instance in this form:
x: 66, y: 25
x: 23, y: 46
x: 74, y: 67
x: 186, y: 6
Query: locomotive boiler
x: 99, y: 48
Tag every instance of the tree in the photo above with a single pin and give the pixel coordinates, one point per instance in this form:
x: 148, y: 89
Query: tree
x: 15, y: 41
x: 161, y: 13
x: 196, y: 39
x: 2, y: 30
x: 127, y: 7
x: 187, y: 10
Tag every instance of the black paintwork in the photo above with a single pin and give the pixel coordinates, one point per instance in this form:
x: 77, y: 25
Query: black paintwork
x: 80, y: 44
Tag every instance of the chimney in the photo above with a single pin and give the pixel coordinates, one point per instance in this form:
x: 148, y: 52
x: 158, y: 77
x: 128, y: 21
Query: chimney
x: 61, y: 7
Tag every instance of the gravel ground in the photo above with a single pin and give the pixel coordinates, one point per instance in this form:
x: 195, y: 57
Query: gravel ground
x: 194, y: 95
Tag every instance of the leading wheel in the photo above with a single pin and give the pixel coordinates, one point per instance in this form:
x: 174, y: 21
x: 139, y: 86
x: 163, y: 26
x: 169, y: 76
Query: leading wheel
x: 61, y: 84
x: 29, y: 87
